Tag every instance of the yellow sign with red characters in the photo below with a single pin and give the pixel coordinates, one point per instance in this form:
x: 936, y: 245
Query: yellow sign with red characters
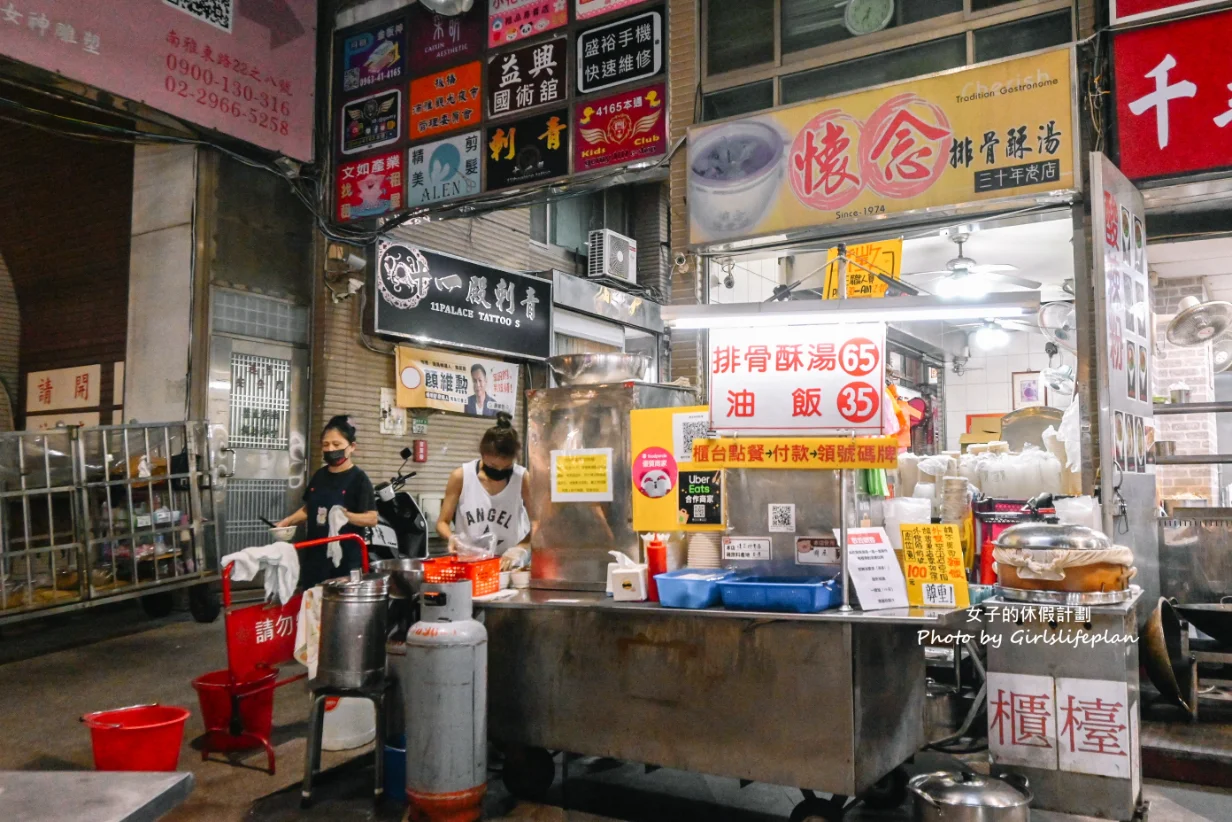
x: 933, y: 564
x: 865, y: 262
x: 817, y: 453
x: 671, y: 492
x: 989, y: 132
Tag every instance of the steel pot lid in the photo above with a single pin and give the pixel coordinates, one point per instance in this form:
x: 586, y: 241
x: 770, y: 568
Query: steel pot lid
x: 1042, y: 536
x: 969, y: 790
x: 358, y: 586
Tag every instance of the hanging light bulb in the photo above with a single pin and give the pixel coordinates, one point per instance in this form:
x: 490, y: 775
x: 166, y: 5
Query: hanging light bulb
x: 989, y: 337
x: 961, y: 286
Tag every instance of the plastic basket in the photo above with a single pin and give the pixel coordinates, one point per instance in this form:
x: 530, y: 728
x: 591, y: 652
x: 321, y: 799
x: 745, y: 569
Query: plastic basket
x: 690, y: 587
x: 799, y: 595
x: 484, y: 574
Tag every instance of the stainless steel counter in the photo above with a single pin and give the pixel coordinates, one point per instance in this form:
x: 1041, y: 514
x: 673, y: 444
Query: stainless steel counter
x: 53, y: 796
x: 830, y: 702
x: 922, y: 618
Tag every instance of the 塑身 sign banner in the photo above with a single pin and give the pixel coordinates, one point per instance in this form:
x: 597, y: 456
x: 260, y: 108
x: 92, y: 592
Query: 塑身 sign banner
x: 449, y: 381
x: 989, y: 132
x: 1172, y: 98
x: 436, y: 298
x: 246, y: 69
x: 800, y: 379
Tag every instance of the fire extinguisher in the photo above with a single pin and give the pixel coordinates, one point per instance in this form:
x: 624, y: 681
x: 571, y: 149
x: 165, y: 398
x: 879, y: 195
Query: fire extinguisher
x: 421, y: 450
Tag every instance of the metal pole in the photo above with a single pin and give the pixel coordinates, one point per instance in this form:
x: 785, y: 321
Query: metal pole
x: 842, y: 537
x: 842, y: 295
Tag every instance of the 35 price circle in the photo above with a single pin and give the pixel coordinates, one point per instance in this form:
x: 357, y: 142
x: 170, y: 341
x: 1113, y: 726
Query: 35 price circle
x: 858, y: 402
x: 859, y: 357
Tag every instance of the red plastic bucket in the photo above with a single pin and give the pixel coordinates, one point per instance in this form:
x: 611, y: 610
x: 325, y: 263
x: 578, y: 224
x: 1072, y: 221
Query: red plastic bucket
x: 140, y: 738
x: 256, y: 704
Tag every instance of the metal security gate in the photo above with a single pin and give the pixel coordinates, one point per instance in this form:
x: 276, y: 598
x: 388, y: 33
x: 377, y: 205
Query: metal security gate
x: 103, y: 513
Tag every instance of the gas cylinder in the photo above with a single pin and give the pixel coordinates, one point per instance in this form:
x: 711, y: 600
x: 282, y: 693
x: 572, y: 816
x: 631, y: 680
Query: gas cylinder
x: 445, y: 697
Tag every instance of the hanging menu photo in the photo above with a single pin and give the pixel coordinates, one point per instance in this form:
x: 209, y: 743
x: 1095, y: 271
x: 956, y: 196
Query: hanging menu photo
x: 528, y: 150
x: 527, y: 77
x: 445, y: 101
x: 373, y: 56
x: 623, y: 128
x: 371, y: 122
x: 621, y: 52
x: 513, y: 20
x: 439, y: 41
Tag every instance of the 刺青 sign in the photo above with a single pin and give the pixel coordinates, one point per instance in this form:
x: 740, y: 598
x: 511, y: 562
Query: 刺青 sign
x: 620, y: 52
x: 527, y: 151
x: 815, y: 379
x: 623, y: 128
x: 245, y: 69
x: 528, y: 77
x: 437, y: 298
x: 1174, y: 110
x: 987, y: 132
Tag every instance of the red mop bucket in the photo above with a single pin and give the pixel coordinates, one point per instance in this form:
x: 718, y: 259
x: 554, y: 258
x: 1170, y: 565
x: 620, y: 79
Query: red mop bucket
x: 139, y: 738
x: 220, y: 693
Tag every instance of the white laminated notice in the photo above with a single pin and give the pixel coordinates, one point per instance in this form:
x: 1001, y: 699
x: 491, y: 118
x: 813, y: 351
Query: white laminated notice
x: 1022, y: 720
x: 875, y: 572
x: 748, y: 548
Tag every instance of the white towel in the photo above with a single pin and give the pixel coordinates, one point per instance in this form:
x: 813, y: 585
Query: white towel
x: 279, y: 561
x: 337, y: 519
x: 308, y: 630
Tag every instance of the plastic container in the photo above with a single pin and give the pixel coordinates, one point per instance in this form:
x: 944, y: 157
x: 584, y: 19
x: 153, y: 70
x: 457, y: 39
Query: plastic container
x: 690, y: 588
x: 256, y: 701
x: 140, y: 738
x: 349, y: 723
x: 395, y: 770
x: 796, y: 595
x: 483, y: 574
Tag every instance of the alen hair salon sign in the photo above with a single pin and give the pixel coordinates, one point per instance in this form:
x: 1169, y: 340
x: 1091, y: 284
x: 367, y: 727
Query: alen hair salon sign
x: 245, y: 68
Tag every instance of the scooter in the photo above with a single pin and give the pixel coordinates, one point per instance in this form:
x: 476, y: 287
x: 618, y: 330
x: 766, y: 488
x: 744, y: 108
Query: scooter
x: 401, y: 529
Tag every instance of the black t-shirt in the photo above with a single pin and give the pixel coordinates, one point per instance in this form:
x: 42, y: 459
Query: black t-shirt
x: 353, y: 491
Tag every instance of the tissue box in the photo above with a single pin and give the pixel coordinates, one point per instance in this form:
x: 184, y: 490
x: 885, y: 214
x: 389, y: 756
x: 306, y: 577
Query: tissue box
x: 629, y: 583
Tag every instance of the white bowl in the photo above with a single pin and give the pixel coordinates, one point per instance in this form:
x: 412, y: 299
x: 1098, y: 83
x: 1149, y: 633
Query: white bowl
x: 504, y: 579
x: 283, y: 534
x: 521, y: 579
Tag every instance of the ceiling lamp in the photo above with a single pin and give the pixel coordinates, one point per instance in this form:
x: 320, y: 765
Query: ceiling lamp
x: 990, y: 337
x: 449, y: 8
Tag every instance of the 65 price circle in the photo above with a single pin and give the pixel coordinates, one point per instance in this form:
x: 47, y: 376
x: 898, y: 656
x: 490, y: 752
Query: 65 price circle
x: 859, y: 356
x: 858, y: 402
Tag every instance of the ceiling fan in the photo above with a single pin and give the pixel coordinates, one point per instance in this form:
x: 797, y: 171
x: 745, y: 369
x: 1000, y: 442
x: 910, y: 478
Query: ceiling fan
x: 963, y: 276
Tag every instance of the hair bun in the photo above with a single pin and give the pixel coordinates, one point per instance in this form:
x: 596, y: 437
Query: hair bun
x: 504, y: 420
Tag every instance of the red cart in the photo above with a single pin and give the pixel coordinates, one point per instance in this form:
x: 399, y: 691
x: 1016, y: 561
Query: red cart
x: 237, y: 703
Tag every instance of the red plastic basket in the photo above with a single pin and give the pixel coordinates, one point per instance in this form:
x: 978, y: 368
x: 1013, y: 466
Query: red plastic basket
x: 484, y: 574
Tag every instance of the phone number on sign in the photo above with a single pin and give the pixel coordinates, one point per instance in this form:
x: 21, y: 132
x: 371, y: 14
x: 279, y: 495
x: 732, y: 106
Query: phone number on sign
x: 219, y: 91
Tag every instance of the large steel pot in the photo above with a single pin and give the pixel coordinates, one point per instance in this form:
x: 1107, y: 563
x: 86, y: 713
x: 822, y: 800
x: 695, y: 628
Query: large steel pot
x: 353, y: 624
x: 948, y: 796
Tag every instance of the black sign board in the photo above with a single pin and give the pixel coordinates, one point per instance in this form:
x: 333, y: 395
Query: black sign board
x: 435, y: 298
x: 700, y: 496
x: 621, y: 52
x: 371, y: 122
x: 527, y: 150
x: 528, y: 77
x: 373, y: 56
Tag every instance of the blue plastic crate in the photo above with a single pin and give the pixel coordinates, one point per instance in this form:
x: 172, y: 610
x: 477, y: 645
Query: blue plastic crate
x: 797, y: 595
x: 690, y: 587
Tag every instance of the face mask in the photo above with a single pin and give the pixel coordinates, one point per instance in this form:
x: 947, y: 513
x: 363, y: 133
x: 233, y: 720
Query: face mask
x: 497, y: 474
x: 335, y: 458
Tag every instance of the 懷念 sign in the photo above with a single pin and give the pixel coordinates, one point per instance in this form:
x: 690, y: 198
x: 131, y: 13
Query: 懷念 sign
x: 815, y: 379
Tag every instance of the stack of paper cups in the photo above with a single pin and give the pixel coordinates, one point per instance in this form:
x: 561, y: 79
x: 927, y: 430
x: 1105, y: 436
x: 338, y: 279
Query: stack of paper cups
x: 705, y: 551
x: 954, y: 501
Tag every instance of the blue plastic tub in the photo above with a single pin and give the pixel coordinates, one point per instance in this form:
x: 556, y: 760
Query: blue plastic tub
x: 690, y: 587
x: 797, y: 595
x: 395, y: 771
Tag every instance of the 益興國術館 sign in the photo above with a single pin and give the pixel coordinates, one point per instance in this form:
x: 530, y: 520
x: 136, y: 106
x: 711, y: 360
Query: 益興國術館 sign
x: 989, y: 132
x: 1174, y: 110
x: 436, y: 298
x: 802, y: 379
x: 246, y: 69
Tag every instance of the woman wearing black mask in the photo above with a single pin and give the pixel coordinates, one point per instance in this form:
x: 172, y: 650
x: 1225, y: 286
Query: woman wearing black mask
x: 490, y: 495
x: 338, y: 485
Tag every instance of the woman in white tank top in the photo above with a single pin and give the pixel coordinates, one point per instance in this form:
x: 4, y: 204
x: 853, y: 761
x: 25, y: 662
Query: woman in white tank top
x: 490, y: 495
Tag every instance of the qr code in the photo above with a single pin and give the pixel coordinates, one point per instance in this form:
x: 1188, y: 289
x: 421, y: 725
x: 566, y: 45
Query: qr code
x: 691, y: 430
x: 782, y: 518
x: 218, y: 13
x: 699, y: 512
x: 938, y: 593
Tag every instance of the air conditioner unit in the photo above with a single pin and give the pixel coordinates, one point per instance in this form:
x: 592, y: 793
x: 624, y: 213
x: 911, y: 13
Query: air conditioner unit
x: 612, y: 255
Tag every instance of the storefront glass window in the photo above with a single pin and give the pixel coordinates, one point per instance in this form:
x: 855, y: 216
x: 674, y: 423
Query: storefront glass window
x: 567, y: 223
x: 890, y: 66
x: 807, y: 23
x: 739, y: 34
x: 744, y: 99
x: 1022, y: 36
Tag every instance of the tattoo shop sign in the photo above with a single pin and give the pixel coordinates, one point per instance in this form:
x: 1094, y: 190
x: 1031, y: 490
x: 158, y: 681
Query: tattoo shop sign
x: 436, y: 298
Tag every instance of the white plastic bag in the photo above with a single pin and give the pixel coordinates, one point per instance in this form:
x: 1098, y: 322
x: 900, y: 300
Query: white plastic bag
x: 471, y: 549
x: 905, y: 511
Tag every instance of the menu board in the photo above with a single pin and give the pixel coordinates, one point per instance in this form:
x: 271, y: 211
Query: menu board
x: 373, y: 56
x: 370, y: 187
x: 528, y: 77
x: 444, y: 170
x: 513, y: 20
x: 623, y: 128
x: 439, y: 41
x: 445, y: 101
x: 933, y: 564
x: 620, y: 52
x: 371, y: 122
x: 527, y: 151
